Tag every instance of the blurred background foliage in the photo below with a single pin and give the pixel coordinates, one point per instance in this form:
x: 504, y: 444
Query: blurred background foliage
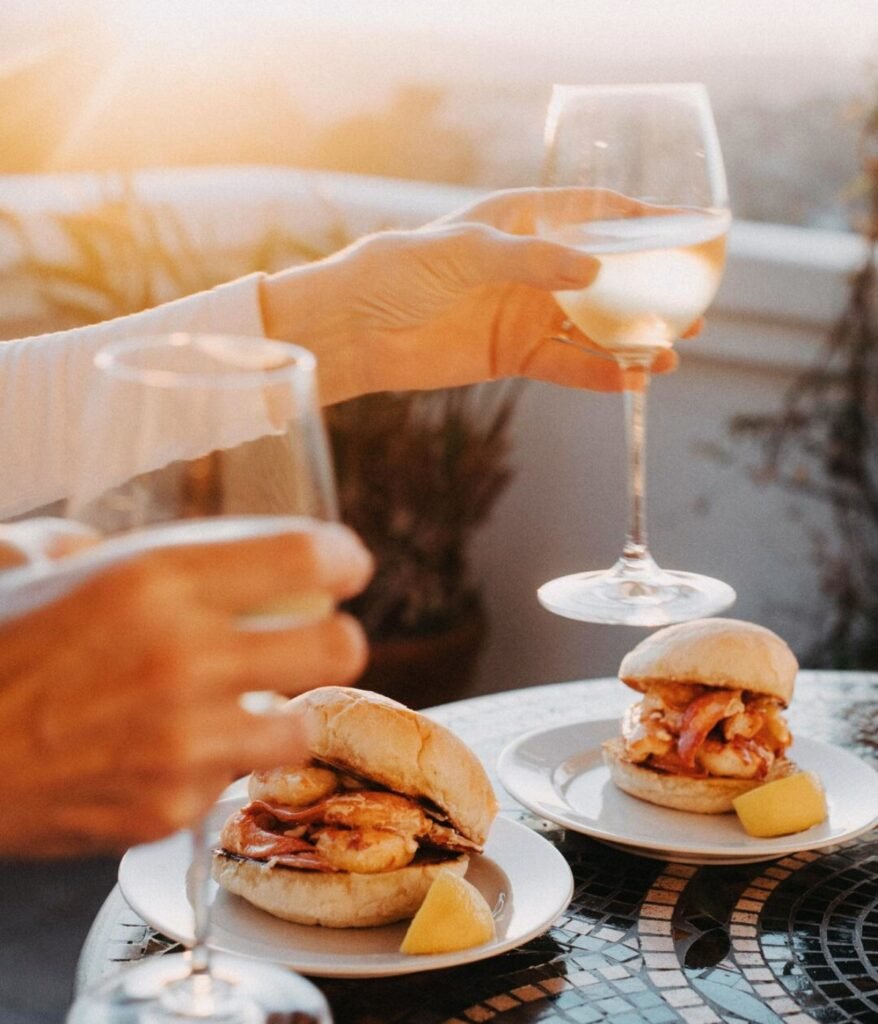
x: 822, y: 444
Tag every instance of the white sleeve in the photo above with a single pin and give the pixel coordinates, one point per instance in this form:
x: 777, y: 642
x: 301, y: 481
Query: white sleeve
x: 44, y: 382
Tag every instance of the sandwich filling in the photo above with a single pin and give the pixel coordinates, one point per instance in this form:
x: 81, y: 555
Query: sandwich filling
x: 320, y: 818
x: 700, y: 731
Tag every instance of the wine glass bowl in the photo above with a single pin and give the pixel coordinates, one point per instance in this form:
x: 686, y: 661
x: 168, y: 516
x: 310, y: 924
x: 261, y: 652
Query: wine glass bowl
x: 658, y: 273
x: 635, y: 178
x: 200, y: 425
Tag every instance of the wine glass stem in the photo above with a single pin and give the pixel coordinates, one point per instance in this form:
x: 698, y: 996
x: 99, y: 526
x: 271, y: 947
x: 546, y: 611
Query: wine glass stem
x: 200, y: 952
x: 635, y: 556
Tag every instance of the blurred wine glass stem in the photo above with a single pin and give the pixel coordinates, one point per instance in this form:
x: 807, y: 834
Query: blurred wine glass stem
x: 196, y: 994
x: 200, y: 880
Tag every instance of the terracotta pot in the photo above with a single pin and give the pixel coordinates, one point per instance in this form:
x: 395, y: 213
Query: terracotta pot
x: 434, y: 668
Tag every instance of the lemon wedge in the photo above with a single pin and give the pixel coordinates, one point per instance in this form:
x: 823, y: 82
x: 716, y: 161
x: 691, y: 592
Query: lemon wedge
x: 779, y: 808
x: 454, y: 915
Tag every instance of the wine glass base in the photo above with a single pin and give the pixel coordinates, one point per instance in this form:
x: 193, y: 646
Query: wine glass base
x: 267, y: 991
x: 614, y: 598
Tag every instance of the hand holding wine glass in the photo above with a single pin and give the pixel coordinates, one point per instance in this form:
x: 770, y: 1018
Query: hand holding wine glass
x: 151, y: 670
x: 657, y: 221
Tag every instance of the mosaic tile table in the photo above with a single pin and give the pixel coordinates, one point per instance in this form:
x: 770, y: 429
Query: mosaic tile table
x: 792, y: 941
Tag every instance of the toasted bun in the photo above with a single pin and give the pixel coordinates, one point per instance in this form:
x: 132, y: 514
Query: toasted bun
x: 713, y: 795
x: 725, y: 653
x: 381, y: 740
x: 334, y: 900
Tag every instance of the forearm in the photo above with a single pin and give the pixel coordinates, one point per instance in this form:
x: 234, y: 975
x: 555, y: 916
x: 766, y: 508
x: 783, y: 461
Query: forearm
x: 45, y: 381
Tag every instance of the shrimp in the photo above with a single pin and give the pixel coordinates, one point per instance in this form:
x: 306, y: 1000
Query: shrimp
x: 747, y: 760
x: 701, y: 716
x: 293, y: 787
x: 775, y: 732
x: 644, y: 735
x: 668, y: 701
x: 389, y: 812
x: 356, y: 809
x: 745, y: 724
x: 365, y: 851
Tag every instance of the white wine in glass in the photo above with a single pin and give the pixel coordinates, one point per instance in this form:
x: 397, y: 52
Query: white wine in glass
x: 194, y: 438
x: 636, y: 179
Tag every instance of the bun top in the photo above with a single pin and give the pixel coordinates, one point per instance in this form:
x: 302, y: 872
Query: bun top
x: 725, y: 653
x: 382, y: 740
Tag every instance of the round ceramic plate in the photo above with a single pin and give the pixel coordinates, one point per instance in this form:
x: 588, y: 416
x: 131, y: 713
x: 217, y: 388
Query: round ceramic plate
x: 559, y: 774
x: 525, y: 880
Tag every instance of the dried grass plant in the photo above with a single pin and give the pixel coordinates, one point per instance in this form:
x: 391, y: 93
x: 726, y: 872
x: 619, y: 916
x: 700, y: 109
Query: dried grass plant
x: 823, y: 445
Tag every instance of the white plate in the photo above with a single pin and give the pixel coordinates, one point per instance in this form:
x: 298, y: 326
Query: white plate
x: 559, y: 774
x: 525, y: 880
x: 700, y: 860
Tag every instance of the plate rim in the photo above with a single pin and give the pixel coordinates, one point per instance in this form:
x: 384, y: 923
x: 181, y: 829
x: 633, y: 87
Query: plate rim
x: 382, y: 965
x: 772, y: 848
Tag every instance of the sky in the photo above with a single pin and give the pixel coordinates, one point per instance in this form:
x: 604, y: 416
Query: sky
x: 329, y: 59
x: 844, y: 31
x: 787, y: 47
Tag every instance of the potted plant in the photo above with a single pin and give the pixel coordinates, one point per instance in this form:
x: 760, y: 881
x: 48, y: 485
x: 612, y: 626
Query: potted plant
x: 418, y: 472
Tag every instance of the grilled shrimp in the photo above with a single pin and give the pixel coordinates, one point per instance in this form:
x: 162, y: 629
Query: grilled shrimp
x: 668, y: 701
x: 701, y: 716
x: 736, y: 760
x: 360, y: 809
x: 745, y: 724
x: 644, y: 736
x: 775, y: 733
x: 293, y: 787
x: 365, y: 851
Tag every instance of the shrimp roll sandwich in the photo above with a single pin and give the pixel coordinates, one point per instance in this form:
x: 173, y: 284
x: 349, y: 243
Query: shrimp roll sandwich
x: 355, y: 837
x: 710, y: 725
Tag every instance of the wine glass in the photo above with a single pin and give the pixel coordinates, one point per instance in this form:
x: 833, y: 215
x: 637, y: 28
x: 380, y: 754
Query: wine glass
x: 657, y: 221
x: 191, y: 438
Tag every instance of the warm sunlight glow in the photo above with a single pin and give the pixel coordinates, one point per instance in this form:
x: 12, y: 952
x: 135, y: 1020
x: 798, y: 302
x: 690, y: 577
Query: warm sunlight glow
x: 453, y: 91
x: 179, y: 80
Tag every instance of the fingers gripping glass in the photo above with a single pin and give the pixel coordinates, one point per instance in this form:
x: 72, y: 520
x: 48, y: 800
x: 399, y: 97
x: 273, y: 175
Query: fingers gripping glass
x: 636, y: 179
x: 192, y: 438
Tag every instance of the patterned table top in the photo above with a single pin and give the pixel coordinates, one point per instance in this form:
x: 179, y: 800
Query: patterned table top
x: 792, y: 941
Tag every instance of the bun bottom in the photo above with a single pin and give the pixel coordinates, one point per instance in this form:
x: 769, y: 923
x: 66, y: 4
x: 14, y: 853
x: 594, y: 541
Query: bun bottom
x: 712, y: 795
x: 332, y: 899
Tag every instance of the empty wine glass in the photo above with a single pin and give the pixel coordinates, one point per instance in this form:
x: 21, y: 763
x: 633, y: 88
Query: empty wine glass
x: 191, y: 438
x: 656, y: 217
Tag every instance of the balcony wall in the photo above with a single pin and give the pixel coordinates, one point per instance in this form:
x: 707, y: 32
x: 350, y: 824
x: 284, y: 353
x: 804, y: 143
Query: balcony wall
x: 565, y: 508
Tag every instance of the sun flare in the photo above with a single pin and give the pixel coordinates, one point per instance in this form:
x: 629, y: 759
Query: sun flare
x: 182, y: 83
